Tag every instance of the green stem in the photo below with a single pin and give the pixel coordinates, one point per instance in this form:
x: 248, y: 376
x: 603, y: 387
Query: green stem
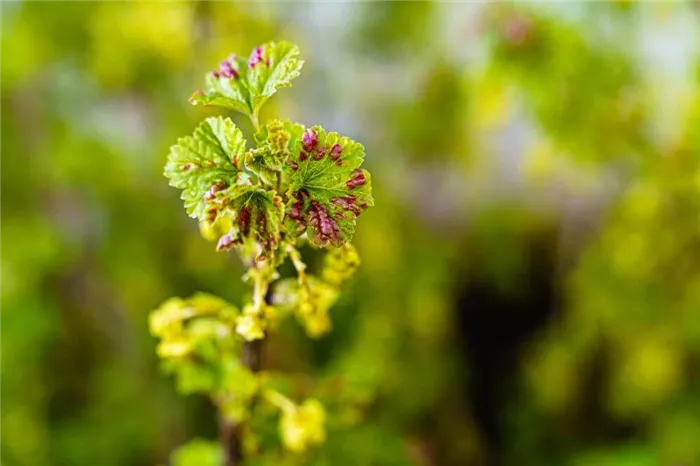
x: 302, y: 279
x: 277, y: 399
x: 260, y: 287
x: 254, y: 119
x: 230, y: 438
x: 299, y: 265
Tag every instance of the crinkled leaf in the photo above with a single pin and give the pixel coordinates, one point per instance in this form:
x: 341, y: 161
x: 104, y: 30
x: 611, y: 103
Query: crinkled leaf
x: 244, y: 85
x: 257, y: 217
x: 328, y: 189
x: 272, y: 66
x: 273, y: 148
x: 205, y: 163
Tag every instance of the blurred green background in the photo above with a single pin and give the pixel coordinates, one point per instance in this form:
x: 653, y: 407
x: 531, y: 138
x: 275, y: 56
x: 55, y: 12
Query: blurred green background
x: 530, y: 286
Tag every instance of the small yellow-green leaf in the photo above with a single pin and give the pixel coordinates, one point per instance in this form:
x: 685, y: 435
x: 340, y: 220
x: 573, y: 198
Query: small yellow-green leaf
x: 340, y: 264
x: 303, y: 426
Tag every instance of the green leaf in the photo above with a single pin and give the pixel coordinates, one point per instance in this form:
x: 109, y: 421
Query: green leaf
x: 195, y: 334
x: 340, y: 264
x: 311, y: 301
x: 303, y: 426
x: 244, y: 85
x: 206, y: 163
x: 257, y: 217
x: 169, y: 317
x: 273, y: 148
x: 198, y: 452
x: 239, y: 387
x: 328, y: 189
x: 192, y: 376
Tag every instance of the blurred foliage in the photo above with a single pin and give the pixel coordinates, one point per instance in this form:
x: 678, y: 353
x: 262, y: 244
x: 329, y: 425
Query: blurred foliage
x: 528, y: 291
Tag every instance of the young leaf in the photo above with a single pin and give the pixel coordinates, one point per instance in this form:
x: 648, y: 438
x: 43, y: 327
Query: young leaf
x: 303, y: 426
x: 257, y: 216
x: 193, y: 334
x: 237, y: 391
x: 205, y: 163
x: 244, y: 85
x: 213, y: 231
x: 340, y: 264
x: 191, y: 376
x: 311, y: 302
x: 273, y: 142
x: 328, y: 189
x: 169, y: 318
x: 251, y: 324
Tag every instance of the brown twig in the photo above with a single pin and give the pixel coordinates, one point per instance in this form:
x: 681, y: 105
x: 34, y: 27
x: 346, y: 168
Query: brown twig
x: 230, y: 438
x: 230, y: 434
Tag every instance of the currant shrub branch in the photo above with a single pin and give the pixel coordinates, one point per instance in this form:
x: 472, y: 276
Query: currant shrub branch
x: 289, y: 186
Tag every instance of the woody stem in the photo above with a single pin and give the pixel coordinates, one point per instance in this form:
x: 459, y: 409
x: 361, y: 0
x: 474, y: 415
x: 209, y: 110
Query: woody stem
x: 231, y: 433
